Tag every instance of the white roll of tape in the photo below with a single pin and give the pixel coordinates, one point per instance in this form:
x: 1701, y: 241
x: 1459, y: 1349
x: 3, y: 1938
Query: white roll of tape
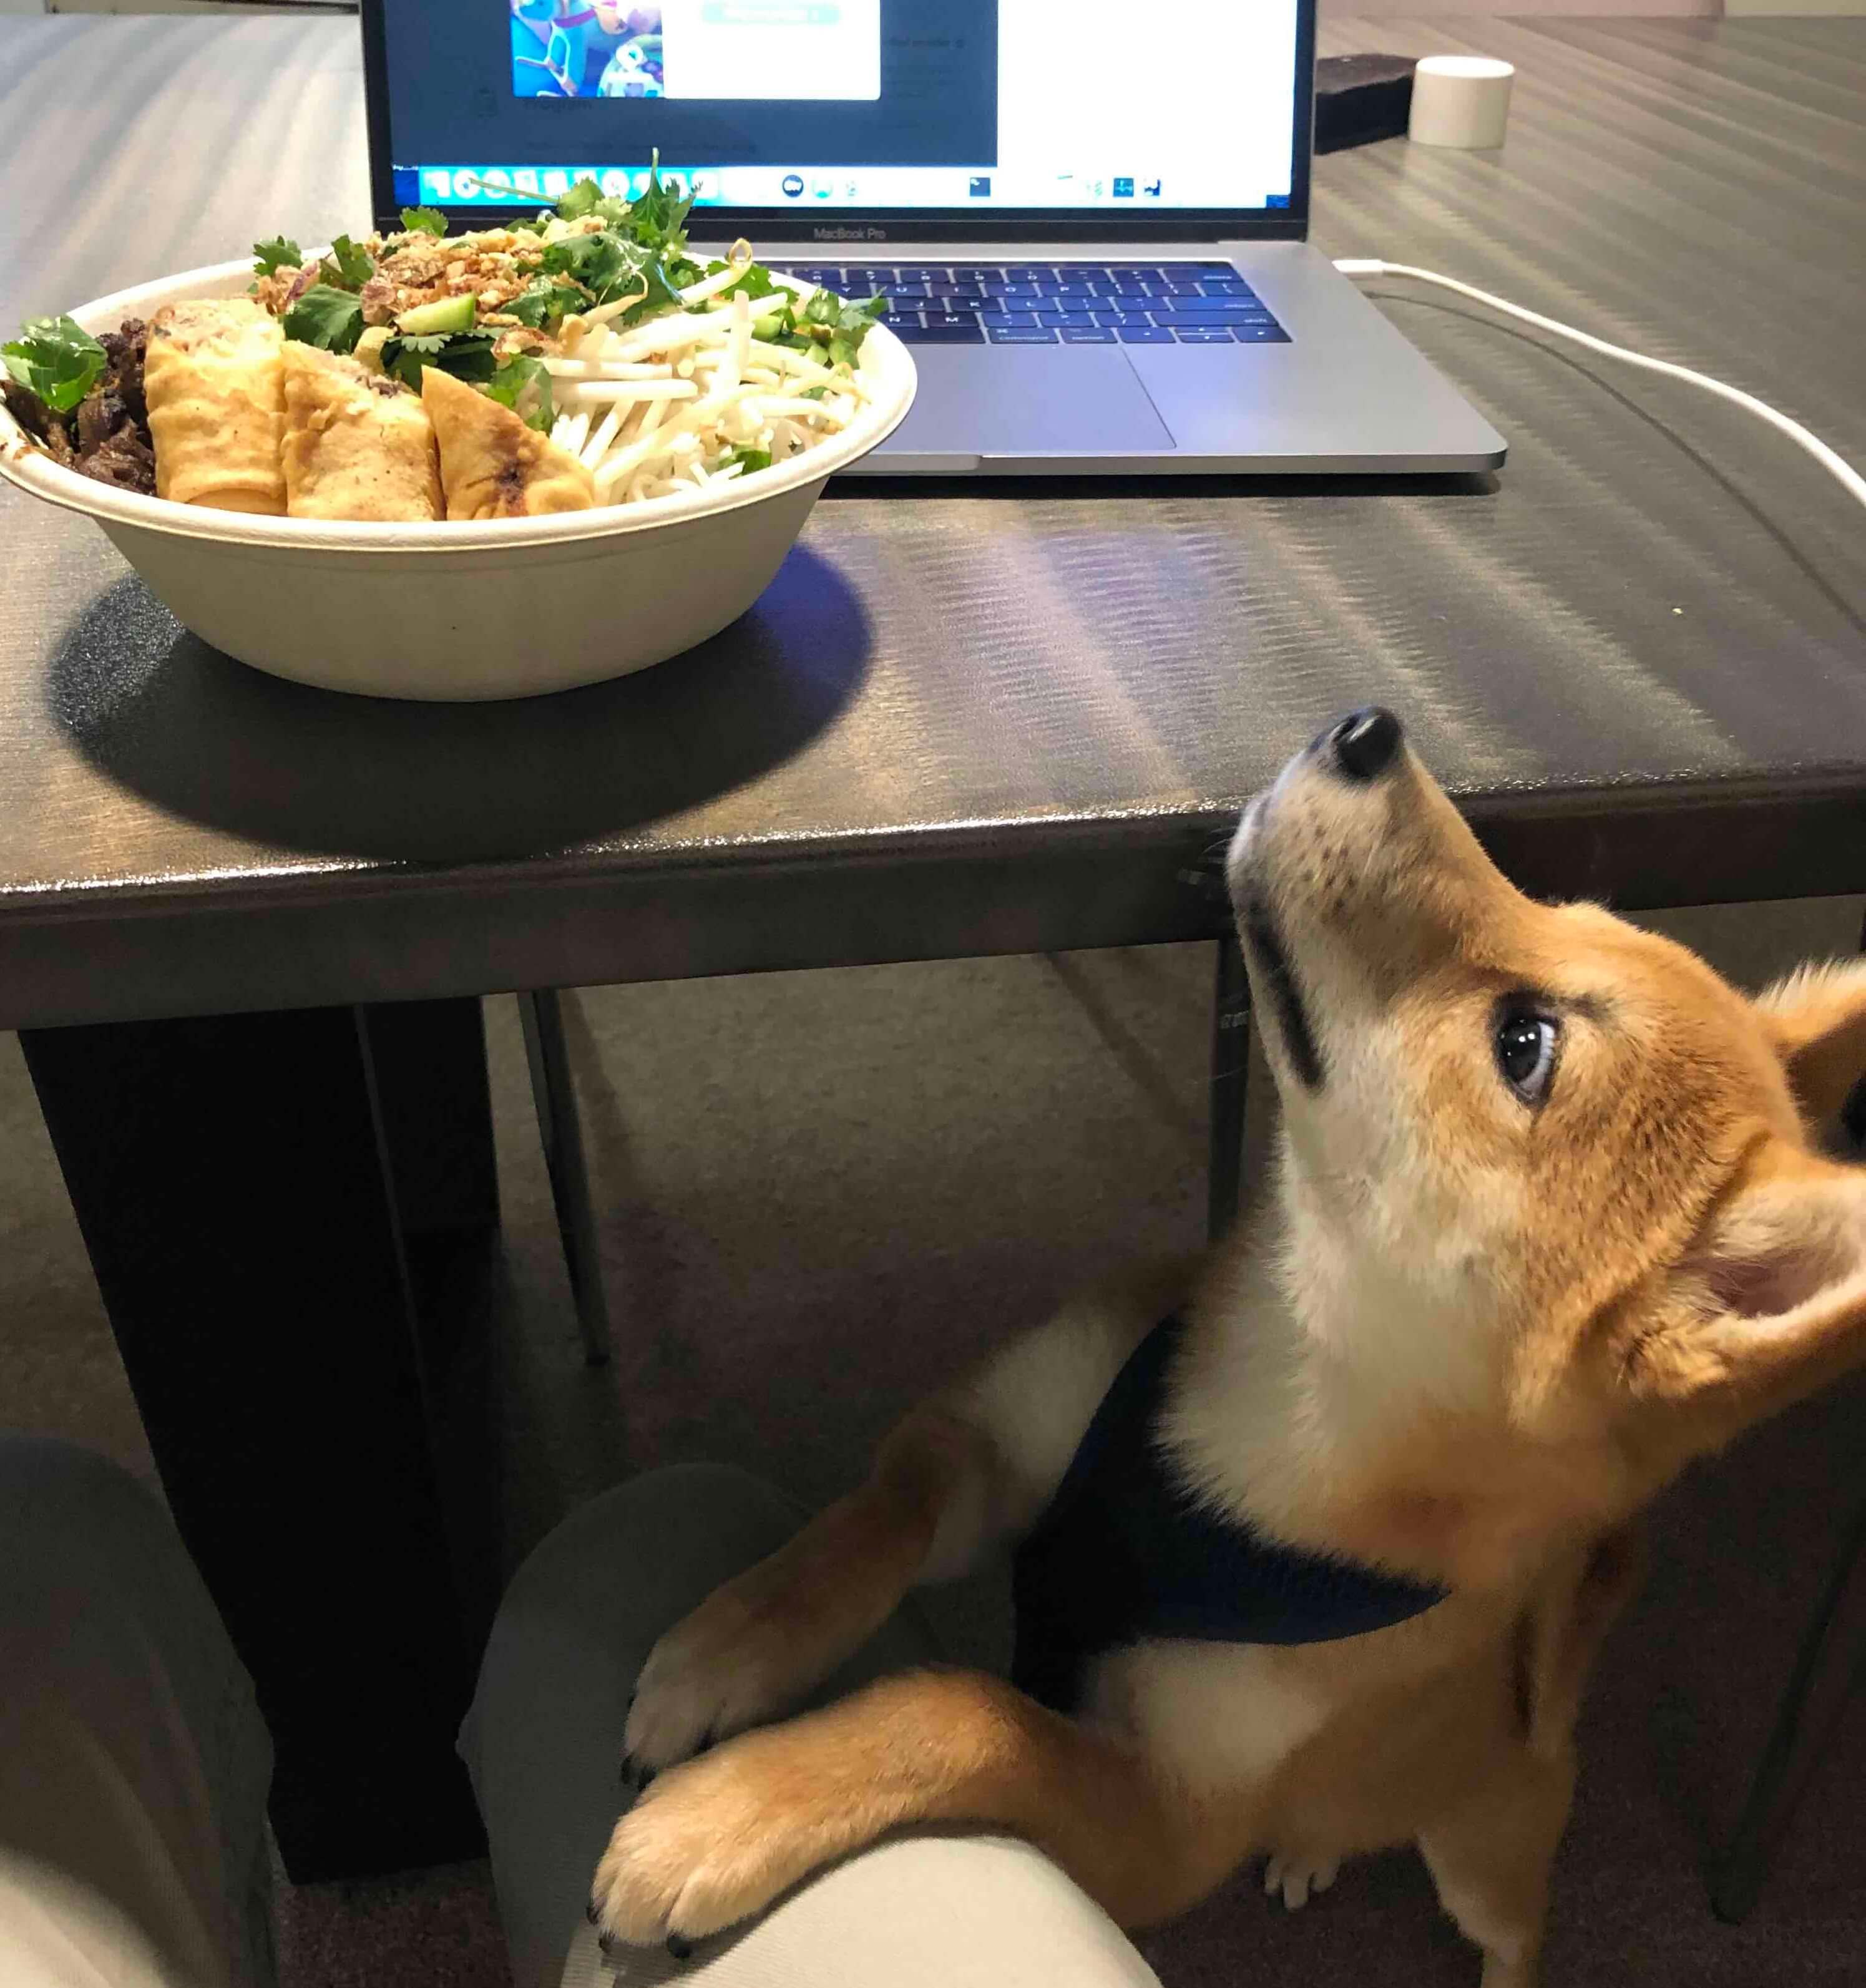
x: 1462, y: 101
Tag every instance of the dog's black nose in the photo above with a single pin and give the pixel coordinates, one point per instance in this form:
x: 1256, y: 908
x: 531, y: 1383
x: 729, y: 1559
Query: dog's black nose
x: 1364, y: 743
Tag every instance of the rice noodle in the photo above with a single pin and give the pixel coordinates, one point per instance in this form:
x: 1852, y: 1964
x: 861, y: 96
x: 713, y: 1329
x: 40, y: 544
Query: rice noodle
x: 597, y: 447
x: 605, y: 368
x: 691, y: 398
x: 635, y: 389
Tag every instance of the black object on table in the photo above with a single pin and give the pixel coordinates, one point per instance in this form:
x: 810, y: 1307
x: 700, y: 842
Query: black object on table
x: 958, y: 724
x: 1361, y: 99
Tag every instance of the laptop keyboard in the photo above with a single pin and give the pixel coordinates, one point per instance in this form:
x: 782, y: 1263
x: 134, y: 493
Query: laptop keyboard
x: 1061, y: 303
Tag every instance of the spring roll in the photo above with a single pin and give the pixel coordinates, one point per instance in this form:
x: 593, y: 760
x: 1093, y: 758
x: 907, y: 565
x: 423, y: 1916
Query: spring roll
x: 491, y: 465
x: 214, y: 380
x: 356, y: 445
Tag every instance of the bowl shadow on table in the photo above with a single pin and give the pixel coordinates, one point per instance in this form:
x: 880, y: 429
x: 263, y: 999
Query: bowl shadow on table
x: 288, y: 766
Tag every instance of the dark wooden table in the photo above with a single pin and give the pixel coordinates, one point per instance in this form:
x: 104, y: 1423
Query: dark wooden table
x: 242, y: 925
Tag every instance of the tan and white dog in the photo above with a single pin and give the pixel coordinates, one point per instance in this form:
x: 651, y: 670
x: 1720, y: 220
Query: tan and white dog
x: 1550, y: 1219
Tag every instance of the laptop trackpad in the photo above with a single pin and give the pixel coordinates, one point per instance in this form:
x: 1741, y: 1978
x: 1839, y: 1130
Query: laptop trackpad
x: 1008, y: 400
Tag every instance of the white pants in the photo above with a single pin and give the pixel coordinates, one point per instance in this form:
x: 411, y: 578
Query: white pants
x: 134, y: 1764
x: 543, y: 1743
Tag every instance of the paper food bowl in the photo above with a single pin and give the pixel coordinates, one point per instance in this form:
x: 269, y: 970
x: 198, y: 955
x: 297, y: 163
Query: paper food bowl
x: 458, y: 613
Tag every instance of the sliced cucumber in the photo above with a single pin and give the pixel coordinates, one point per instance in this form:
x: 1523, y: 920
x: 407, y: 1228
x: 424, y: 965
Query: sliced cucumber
x: 449, y: 314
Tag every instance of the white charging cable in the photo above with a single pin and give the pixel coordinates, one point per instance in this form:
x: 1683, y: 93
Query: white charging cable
x: 1837, y: 465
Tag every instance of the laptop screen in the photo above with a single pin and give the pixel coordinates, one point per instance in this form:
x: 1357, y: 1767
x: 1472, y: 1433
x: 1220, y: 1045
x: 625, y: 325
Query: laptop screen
x: 810, y: 115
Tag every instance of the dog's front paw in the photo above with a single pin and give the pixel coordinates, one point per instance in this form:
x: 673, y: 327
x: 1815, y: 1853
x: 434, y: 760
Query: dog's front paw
x: 1297, y: 1877
x: 710, y: 1844
x: 721, y: 1669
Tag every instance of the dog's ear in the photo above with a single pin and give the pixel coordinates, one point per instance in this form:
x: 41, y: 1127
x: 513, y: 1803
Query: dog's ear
x: 1769, y: 1302
x: 1816, y: 1020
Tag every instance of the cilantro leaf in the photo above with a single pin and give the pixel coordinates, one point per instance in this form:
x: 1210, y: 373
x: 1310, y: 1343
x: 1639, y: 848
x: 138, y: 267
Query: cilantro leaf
x: 57, y: 359
x: 824, y: 307
x: 420, y: 345
x: 853, y: 324
x: 468, y: 355
x: 541, y: 305
x: 610, y: 268
x: 662, y: 295
x: 755, y: 282
x: 347, y: 266
x: 523, y: 384
x: 584, y: 195
x: 594, y: 260
x: 423, y: 221
x: 656, y: 218
x: 279, y: 253
x: 655, y: 221
x: 598, y: 262
x: 326, y: 317
x: 641, y: 244
x: 749, y: 460
x: 586, y: 202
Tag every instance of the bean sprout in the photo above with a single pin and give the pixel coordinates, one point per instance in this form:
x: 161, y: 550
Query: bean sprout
x: 692, y: 397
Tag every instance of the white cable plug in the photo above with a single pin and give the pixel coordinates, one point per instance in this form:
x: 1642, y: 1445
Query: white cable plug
x: 1836, y: 464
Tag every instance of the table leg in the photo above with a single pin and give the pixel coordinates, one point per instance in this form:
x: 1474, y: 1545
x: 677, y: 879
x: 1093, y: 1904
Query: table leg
x: 428, y: 1061
x: 230, y: 1176
x: 1230, y: 1071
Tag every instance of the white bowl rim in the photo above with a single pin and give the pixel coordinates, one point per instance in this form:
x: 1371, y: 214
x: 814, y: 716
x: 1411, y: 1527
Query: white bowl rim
x: 25, y: 465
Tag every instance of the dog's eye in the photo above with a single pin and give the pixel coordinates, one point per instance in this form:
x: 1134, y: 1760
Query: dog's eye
x: 1526, y: 1053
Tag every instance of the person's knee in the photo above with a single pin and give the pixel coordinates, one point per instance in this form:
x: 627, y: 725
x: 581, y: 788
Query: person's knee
x: 630, y: 1563
x: 580, y: 1615
x: 70, y: 1502
x: 689, y: 1518
x: 931, y: 1907
x: 45, y: 1467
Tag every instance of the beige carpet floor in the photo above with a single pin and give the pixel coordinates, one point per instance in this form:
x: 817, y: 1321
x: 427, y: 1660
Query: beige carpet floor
x: 820, y: 1192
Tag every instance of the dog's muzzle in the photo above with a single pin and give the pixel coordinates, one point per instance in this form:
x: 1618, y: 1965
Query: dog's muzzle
x: 1260, y: 934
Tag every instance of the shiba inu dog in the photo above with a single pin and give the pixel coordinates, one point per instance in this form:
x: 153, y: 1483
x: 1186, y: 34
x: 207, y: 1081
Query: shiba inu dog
x: 1319, y: 1564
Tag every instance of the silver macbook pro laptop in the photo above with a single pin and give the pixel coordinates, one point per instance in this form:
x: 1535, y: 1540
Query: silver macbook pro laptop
x: 1090, y: 220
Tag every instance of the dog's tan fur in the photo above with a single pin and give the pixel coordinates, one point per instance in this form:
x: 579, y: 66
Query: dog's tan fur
x: 1471, y: 1340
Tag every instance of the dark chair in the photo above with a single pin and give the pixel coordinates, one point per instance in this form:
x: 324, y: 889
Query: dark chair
x: 561, y: 1128
x: 1737, y: 1872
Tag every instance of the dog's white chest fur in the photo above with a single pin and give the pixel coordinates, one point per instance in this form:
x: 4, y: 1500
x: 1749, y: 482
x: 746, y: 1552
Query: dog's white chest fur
x: 1220, y: 1714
